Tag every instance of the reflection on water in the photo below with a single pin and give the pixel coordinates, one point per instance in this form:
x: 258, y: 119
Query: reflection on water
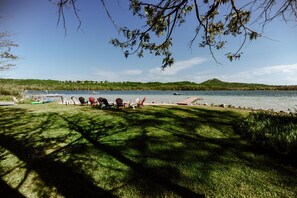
x: 277, y: 100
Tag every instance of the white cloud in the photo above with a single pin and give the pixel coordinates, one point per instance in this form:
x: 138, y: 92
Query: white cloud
x: 278, y: 74
x: 274, y: 75
x: 284, y: 69
x: 107, y: 75
x: 132, y: 72
x: 177, y: 67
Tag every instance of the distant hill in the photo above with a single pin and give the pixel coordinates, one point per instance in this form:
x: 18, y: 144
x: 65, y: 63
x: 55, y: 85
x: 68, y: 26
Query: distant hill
x: 212, y: 82
x: 218, y: 84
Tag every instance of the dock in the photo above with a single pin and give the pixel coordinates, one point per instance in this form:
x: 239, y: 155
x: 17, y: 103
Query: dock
x: 51, y: 96
x: 188, y: 101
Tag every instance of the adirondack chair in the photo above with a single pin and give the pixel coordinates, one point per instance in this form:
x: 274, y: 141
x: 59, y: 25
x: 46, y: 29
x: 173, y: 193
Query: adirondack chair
x: 119, y: 103
x: 75, y: 100
x: 141, y: 103
x: 82, y: 101
x: 93, y: 101
x: 103, y: 102
x: 138, y: 103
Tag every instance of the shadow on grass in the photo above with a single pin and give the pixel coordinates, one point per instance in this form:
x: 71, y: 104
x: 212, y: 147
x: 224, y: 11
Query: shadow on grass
x: 145, y: 152
x: 8, y: 191
x: 213, y: 151
x: 93, y: 134
x: 28, y: 147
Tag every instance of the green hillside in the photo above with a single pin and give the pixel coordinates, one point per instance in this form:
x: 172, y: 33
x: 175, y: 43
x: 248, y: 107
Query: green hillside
x: 217, y: 84
x: 14, y: 86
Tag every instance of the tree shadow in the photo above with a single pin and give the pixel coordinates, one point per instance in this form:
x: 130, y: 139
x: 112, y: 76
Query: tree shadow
x: 8, y: 191
x: 93, y: 133
x: 216, y: 149
x: 29, y: 148
x: 154, y: 152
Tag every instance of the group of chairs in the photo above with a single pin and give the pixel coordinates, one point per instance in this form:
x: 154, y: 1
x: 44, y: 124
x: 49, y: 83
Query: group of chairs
x: 103, y: 103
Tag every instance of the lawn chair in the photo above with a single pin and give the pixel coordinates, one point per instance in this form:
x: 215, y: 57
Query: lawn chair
x: 103, y: 103
x: 106, y: 104
x: 138, y: 103
x: 82, y: 101
x: 120, y: 104
x: 100, y: 102
x: 65, y: 101
x: 141, y: 103
x: 75, y: 100
x: 92, y: 101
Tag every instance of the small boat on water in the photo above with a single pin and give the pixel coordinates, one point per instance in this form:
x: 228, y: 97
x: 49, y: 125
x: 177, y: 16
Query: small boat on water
x: 176, y: 93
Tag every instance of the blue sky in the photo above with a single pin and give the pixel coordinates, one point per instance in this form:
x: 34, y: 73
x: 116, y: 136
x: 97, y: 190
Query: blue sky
x: 46, y: 53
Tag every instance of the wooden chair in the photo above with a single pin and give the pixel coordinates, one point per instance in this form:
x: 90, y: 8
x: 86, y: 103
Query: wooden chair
x: 92, y: 101
x: 120, y: 104
x: 75, y: 100
x: 103, y: 103
x: 82, y: 101
x: 141, y: 103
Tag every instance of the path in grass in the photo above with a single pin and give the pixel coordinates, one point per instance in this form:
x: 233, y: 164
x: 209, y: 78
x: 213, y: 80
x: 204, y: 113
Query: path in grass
x: 70, y: 151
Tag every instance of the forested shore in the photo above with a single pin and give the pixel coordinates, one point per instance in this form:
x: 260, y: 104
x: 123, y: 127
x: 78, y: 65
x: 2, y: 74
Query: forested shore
x: 12, y: 85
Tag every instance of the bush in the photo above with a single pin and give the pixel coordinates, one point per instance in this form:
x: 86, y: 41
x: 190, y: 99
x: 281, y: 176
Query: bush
x: 5, y: 98
x: 10, y: 90
x: 273, y: 131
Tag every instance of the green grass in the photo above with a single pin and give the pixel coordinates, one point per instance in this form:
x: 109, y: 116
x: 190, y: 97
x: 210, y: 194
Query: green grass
x: 54, y: 150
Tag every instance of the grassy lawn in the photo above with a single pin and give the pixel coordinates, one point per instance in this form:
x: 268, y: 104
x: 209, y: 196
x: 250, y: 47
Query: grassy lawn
x: 54, y: 150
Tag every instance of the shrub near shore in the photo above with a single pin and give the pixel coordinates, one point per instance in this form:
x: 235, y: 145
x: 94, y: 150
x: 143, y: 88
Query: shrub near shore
x: 273, y: 131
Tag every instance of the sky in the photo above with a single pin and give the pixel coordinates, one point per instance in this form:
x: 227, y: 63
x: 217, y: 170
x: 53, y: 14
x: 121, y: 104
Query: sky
x: 46, y: 52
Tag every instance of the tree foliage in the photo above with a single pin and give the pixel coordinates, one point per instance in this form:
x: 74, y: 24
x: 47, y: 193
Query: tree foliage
x: 216, y: 22
x: 6, y: 57
x: 6, y: 44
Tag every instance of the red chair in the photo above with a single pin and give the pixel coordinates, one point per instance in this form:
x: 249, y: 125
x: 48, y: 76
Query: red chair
x: 92, y: 100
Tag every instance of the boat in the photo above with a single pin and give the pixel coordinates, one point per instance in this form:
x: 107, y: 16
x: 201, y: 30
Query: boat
x: 176, y: 93
x: 48, y: 100
x: 37, y: 102
x: 43, y: 101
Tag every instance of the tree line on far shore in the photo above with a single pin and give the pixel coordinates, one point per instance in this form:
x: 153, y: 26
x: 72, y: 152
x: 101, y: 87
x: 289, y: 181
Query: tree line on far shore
x: 12, y: 86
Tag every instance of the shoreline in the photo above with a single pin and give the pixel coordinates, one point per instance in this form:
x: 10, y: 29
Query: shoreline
x: 205, y: 105
x: 277, y: 101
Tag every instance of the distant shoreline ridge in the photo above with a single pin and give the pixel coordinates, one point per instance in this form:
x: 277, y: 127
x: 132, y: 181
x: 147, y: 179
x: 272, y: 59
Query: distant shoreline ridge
x: 212, y: 84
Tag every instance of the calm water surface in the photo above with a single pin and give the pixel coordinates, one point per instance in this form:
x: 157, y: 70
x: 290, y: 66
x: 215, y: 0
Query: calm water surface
x: 277, y: 100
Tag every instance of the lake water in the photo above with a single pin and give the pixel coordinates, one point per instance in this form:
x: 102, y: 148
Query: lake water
x: 277, y: 100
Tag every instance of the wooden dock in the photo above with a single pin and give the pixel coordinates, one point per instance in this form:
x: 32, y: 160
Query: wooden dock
x: 51, y: 96
x: 188, y: 101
